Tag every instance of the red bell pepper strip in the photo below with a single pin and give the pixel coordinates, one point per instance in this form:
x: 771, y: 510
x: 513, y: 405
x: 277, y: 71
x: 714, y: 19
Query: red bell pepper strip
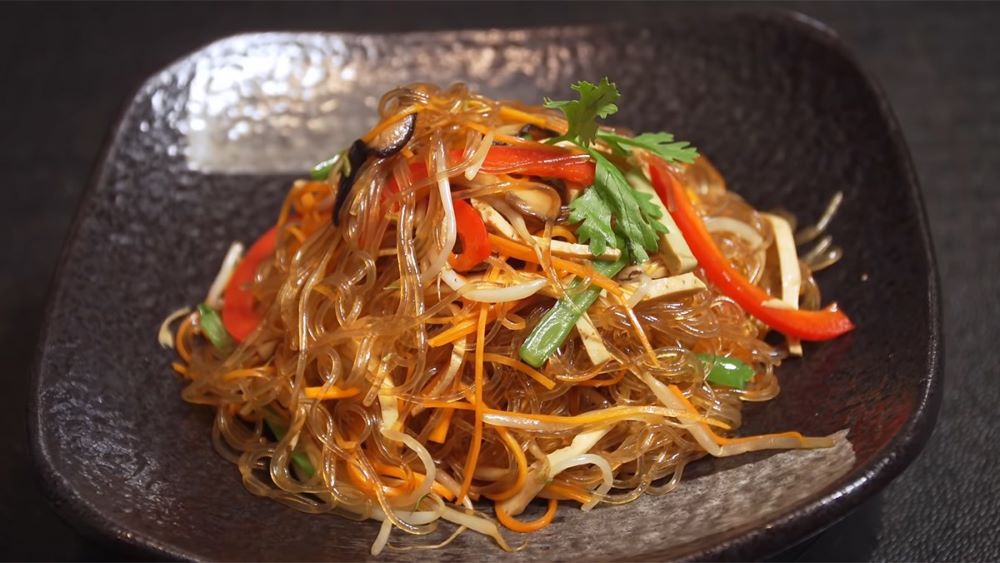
x: 546, y: 162
x: 472, y: 232
x: 239, y: 315
x: 806, y: 325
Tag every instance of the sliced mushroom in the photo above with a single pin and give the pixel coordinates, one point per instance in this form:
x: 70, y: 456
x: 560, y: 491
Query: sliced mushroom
x: 356, y: 156
x: 394, y: 137
x: 535, y: 132
x: 538, y: 201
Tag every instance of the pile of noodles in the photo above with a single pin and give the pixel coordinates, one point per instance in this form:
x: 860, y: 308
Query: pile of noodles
x: 399, y: 400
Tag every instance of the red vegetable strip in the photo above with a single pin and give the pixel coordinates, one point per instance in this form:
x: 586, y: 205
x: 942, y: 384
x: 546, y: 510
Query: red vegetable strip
x: 239, y: 315
x: 472, y: 231
x: 806, y: 325
x: 549, y: 163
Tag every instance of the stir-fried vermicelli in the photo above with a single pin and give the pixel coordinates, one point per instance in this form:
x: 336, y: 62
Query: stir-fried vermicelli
x: 481, y: 304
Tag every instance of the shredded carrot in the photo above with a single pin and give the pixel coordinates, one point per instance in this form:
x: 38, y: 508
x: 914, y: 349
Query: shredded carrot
x: 249, y: 372
x: 524, y: 117
x: 561, y: 231
x: 385, y: 123
x: 497, y: 136
x: 180, y: 368
x: 567, y: 492
x: 522, y: 467
x: 181, y: 339
x: 465, y: 327
x: 526, y: 527
x: 601, y: 382
x: 286, y: 206
x: 600, y: 415
x: 521, y: 367
x: 477, y: 434
x: 527, y: 254
x: 397, y: 472
x: 440, y: 432
x: 333, y: 392
x: 457, y: 405
x: 643, y: 339
x: 363, y: 483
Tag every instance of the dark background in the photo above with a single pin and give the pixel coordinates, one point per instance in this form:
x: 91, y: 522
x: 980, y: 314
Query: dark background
x: 67, y: 70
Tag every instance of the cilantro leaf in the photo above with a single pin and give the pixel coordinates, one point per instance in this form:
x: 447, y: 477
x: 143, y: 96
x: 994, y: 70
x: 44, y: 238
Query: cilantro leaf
x: 660, y: 144
x: 631, y: 223
x: 596, y: 100
x: 611, y: 213
x: 594, y: 216
x: 651, y: 210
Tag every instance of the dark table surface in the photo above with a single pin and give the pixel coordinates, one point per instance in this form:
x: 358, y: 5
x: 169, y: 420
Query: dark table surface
x: 68, y: 69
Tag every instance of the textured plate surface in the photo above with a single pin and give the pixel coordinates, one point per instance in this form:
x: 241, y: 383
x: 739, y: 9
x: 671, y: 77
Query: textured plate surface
x: 204, y: 153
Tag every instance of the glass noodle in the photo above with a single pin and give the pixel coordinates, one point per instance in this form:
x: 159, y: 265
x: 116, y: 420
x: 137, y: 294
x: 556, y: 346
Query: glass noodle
x: 357, y: 394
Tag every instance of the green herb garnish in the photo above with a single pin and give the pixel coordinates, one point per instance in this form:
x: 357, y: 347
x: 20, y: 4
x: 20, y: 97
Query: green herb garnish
x: 300, y: 459
x: 213, y: 329
x: 728, y: 372
x: 611, y: 206
x: 610, y: 213
x: 323, y: 170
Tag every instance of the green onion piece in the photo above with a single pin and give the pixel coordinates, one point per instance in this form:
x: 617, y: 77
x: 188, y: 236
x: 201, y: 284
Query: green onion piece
x: 300, y: 459
x: 550, y: 333
x: 728, y: 372
x: 322, y: 170
x: 213, y: 329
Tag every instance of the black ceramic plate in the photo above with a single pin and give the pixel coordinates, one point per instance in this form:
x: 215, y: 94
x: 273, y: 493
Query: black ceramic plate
x: 205, y: 151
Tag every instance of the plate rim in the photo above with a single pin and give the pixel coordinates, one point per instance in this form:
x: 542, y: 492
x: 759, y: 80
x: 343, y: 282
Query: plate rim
x: 805, y: 520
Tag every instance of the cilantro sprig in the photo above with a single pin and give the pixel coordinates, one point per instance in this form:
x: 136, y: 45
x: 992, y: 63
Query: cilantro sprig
x: 610, y: 213
x: 661, y: 144
x: 596, y: 100
x: 611, y: 206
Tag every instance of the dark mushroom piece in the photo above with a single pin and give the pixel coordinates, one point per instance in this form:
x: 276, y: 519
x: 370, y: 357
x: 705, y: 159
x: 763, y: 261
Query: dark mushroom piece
x: 394, y: 137
x: 356, y: 156
x: 536, y: 133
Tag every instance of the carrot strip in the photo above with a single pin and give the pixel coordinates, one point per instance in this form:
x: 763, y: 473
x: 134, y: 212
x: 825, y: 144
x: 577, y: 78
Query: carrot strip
x: 600, y: 415
x: 477, y: 434
x: 497, y: 136
x: 334, y: 392
x: 468, y: 325
x: 525, y: 527
x: 522, y: 467
x: 521, y: 367
x: 457, y: 405
x: 385, y: 123
x: 527, y: 254
x: 248, y: 372
x: 180, y: 368
x: 568, y: 492
x: 363, y: 483
x: 523, y: 116
x: 561, y: 231
x: 182, y: 333
x: 397, y: 472
x: 440, y: 431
